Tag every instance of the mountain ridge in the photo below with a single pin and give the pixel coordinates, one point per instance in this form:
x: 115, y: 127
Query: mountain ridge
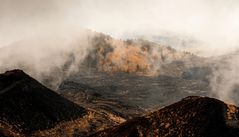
x: 28, y: 106
x: 192, y: 116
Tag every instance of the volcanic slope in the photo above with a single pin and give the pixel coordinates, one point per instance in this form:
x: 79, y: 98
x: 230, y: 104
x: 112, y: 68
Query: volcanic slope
x: 192, y: 116
x: 28, y: 106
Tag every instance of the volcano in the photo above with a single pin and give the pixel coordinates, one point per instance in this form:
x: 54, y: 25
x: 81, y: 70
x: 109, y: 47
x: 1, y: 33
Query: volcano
x: 192, y: 116
x: 27, y: 106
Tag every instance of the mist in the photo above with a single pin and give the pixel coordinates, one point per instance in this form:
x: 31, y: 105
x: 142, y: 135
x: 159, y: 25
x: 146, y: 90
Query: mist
x: 224, y: 80
x: 37, y: 37
x: 212, y: 23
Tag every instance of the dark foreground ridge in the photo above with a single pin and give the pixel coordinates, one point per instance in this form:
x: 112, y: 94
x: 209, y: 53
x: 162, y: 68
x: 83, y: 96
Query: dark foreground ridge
x: 192, y: 116
x: 27, y: 106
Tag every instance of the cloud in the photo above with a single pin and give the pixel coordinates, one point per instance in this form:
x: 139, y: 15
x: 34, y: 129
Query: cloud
x: 50, y: 58
x: 28, y: 18
x: 212, y: 22
x: 224, y: 81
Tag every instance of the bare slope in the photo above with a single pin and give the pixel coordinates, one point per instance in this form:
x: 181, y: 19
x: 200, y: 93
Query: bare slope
x: 192, y: 116
x: 27, y: 106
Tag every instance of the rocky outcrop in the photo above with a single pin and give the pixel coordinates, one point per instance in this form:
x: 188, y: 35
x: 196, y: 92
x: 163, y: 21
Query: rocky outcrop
x: 192, y: 116
x: 27, y: 106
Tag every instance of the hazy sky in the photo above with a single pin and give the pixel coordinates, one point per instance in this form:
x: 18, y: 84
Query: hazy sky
x: 213, y: 22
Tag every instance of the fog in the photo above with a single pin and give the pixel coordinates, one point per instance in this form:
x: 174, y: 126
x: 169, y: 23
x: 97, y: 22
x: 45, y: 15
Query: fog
x: 213, y: 23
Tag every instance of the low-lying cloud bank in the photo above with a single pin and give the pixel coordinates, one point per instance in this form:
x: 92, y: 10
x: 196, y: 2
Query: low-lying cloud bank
x: 225, y: 78
x: 50, y: 57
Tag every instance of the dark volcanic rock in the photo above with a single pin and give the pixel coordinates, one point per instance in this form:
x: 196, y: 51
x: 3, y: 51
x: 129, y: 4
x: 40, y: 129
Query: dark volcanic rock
x: 192, y: 116
x: 27, y: 106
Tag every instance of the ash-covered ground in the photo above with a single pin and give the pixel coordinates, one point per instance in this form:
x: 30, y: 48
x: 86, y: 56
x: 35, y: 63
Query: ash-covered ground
x: 130, y: 94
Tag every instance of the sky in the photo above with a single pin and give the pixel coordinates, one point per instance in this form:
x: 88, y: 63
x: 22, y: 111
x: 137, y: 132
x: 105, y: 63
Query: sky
x: 213, y: 23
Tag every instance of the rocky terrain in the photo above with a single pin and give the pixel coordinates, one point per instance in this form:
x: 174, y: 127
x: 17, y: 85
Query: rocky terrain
x: 192, y: 116
x: 28, y: 108
x: 129, y: 94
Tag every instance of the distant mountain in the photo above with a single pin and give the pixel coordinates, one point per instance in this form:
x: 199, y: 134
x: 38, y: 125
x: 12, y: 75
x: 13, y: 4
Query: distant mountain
x: 27, y: 106
x: 136, y: 56
x: 192, y: 116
